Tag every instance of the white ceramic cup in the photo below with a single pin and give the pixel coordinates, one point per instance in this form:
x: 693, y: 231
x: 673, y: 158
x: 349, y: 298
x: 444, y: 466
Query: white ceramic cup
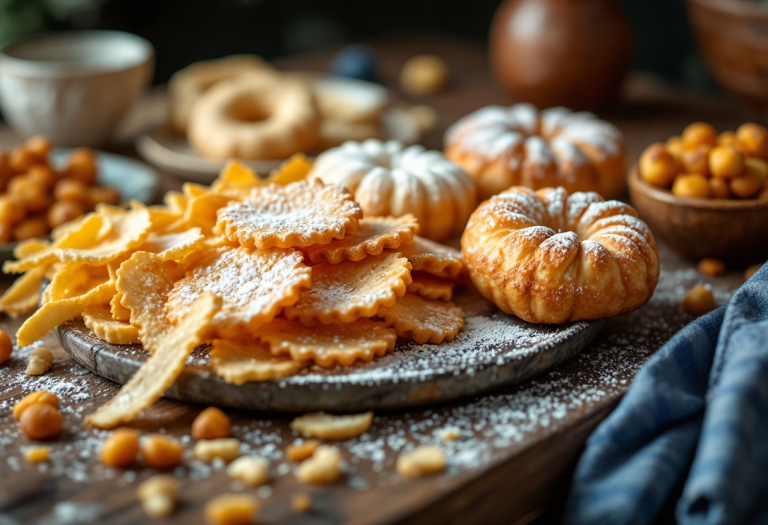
x: 73, y: 87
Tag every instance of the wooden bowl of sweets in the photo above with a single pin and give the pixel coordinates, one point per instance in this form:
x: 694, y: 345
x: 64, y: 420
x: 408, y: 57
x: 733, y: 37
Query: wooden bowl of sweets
x: 706, y: 195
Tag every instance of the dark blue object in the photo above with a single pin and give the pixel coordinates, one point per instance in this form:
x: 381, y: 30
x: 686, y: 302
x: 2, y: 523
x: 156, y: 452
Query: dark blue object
x: 696, y: 417
x: 355, y: 61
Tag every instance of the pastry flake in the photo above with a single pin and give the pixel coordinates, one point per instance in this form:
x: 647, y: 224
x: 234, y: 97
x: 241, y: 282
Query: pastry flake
x: 326, y: 345
x: 99, y: 320
x: 424, y: 320
x: 435, y: 258
x: 431, y: 287
x: 373, y: 236
x: 299, y: 214
x: 254, y: 285
x: 344, y: 292
x: 242, y: 362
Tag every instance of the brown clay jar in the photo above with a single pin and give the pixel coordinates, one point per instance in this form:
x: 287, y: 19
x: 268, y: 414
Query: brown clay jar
x: 572, y: 53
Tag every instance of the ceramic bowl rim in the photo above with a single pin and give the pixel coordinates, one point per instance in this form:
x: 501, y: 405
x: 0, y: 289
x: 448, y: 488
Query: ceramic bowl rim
x: 15, y: 66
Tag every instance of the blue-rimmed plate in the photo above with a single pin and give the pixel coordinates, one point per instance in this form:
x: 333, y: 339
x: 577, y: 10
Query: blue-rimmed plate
x: 134, y: 180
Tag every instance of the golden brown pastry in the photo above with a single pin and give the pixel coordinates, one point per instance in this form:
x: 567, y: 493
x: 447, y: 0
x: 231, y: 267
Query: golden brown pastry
x: 255, y: 116
x: 550, y: 257
x: 501, y: 147
x: 387, y: 178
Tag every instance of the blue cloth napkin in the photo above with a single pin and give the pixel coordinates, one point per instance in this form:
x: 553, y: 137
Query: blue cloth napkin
x: 696, y: 417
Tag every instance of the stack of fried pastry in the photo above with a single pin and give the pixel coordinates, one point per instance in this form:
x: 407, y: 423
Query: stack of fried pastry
x: 275, y: 277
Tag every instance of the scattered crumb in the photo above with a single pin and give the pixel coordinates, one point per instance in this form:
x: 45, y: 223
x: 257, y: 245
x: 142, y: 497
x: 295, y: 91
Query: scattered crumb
x: 37, y: 454
x: 301, y: 503
x: 251, y: 470
x: 323, y: 467
x: 328, y: 426
x: 300, y: 451
x: 421, y: 461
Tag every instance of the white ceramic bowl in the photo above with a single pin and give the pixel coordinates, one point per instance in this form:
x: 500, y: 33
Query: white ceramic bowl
x: 73, y: 86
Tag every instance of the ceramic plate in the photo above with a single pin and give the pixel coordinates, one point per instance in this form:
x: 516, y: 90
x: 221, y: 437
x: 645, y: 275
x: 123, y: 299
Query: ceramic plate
x: 134, y: 179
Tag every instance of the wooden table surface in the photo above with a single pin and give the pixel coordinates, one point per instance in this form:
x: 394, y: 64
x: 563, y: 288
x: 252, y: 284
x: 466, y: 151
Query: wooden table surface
x: 517, y: 444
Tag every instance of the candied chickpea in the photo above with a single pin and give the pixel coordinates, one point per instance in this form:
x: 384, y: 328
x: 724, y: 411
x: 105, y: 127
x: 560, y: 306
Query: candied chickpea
x: 39, y: 145
x: 11, y: 211
x: 161, y: 452
x: 21, y: 159
x: 699, y: 300
x: 752, y: 140
x: 211, y: 423
x: 726, y: 162
x: 691, y: 185
x: 121, y: 448
x: 711, y: 267
x: 231, y: 509
x: 718, y: 188
x: 696, y: 160
x: 82, y: 167
x: 758, y: 167
x: 41, y: 421
x: 746, y: 186
x: 64, y: 211
x: 103, y: 194
x: 72, y: 190
x: 658, y: 166
x: 31, y: 228
x: 752, y: 270
x: 41, y: 396
x: 43, y: 175
x: 726, y: 138
x: 301, y: 451
x: 699, y: 133
x: 29, y: 192
x: 675, y: 147
x: 6, y: 347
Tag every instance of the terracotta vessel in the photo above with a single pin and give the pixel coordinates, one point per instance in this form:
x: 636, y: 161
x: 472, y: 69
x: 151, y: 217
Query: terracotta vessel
x: 572, y: 53
x: 727, y: 229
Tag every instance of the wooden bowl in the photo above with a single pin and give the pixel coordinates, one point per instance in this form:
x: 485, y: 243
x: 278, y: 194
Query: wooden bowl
x: 732, y: 230
x: 733, y: 37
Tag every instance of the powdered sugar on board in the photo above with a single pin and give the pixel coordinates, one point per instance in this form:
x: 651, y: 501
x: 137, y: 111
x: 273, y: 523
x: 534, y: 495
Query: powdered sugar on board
x: 491, y: 427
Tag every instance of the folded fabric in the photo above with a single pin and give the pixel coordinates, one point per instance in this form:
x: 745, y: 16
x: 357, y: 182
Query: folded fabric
x: 696, y: 416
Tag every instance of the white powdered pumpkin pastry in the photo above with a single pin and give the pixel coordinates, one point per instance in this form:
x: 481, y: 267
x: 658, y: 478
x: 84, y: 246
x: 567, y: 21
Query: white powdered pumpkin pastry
x: 550, y: 257
x: 502, y: 147
x: 387, y: 178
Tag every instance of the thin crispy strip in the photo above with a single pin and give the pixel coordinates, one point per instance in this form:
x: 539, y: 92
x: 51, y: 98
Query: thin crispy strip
x: 162, y: 368
x: 128, y: 230
x: 145, y: 281
x: 99, y: 320
x: 373, y: 236
x: 55, y: 312
x: 174, y: 246
x: 327, y: 345
x: 423, y: 320
x: 240, y: 362
x: 432, y: 287
x: 344, y: 292
x: 433, y: 257
x: 23, y: 295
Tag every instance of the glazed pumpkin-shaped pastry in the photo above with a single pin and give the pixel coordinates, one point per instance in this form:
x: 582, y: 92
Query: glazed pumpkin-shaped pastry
x: 507, y: 146
x: 550, y: 257
x: 387, y: 178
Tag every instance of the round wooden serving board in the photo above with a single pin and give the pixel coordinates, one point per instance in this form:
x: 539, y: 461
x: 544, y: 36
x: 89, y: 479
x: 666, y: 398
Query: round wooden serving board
x: 493, y: 350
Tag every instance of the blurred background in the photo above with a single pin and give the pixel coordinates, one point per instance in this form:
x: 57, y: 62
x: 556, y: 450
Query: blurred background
x: 184, y: 31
